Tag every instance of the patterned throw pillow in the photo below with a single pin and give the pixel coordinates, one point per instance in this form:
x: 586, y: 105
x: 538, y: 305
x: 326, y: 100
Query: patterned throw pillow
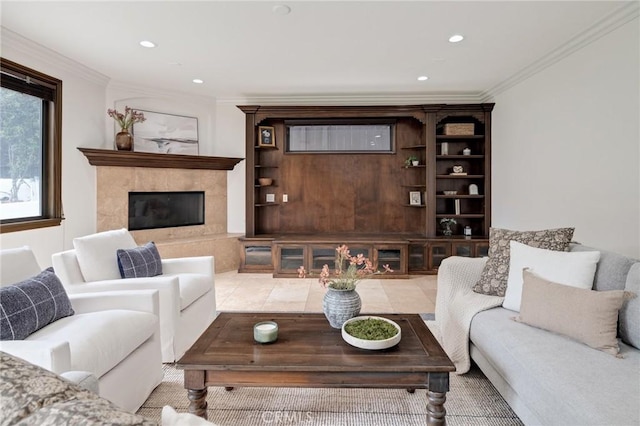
x: 29, y: 305
x: 139, y: 262
x: 493, y: 281
x: 31, y: 395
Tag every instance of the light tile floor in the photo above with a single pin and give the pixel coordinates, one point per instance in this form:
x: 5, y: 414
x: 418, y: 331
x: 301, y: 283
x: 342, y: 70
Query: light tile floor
x: 262, y: 292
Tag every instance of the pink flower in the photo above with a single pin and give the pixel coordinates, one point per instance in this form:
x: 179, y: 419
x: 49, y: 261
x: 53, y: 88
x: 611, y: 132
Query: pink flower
x: 302, y: 273
x: 359, y: 267
x: 127, y: 119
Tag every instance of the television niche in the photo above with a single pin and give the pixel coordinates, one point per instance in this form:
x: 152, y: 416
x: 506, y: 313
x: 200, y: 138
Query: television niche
x: 151, y: 210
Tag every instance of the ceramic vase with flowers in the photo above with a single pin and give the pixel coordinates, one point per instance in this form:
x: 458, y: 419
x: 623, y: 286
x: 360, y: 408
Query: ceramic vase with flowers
x: 124, y: 139
x: 341, y: 301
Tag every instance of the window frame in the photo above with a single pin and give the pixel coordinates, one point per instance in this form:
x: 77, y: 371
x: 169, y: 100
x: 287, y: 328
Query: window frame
x: 52, y: 214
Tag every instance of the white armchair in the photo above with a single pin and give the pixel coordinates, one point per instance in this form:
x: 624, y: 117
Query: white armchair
x: 186, y: 286
x: 113, y: 335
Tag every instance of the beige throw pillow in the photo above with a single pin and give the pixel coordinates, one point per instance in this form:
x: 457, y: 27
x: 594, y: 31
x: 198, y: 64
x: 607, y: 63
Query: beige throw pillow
x: 588, y: 316
x: 493, y: 281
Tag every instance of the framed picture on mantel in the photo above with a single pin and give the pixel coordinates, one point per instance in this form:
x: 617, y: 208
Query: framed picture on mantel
x: 166, y: 134
x: 266, y: 136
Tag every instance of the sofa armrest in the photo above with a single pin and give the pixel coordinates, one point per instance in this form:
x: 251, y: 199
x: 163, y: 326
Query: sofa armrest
x: 456, y: 276
x: 133, y: 300
x: 159, y: 282
x: 192, y: 265
x: 465, y: 269
x: 53, y: 355
x: 66, y: 267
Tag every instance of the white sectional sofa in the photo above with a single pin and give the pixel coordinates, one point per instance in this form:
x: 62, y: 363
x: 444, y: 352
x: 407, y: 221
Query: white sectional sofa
x: 113, y: 335
x: 546, y: 377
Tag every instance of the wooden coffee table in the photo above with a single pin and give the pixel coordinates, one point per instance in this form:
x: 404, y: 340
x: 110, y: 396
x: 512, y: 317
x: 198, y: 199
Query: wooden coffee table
x: 310, y: 353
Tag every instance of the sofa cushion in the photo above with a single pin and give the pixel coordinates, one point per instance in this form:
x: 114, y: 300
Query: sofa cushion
x: 143, y: 261
x: 99, y: 341
x: 561, y: 381
x: 27, y: 306
x: 193, y: 287
x: 630, y: 311
x: 493, y: 280
x: 569, y: 268
x: 588, y: 316
x: 34, y: 396
x: 97, y: 253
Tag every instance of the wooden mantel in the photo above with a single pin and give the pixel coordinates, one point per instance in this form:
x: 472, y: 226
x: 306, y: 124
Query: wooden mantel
x: 108, y: 157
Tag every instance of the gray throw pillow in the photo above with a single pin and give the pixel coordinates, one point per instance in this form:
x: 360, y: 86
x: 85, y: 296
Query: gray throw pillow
x: 143, y: 261
x: 29, y: 305
x: 493, y: 280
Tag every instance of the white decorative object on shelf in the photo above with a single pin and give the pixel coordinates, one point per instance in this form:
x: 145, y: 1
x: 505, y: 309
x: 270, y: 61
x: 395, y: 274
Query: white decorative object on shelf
x: 444, y: 148
x: 466, y: 151
x: 473, y: 189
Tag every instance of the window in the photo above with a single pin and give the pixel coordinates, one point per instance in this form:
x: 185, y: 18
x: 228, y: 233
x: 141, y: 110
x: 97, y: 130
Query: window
x: 318, y: 137
x: 30, y: 148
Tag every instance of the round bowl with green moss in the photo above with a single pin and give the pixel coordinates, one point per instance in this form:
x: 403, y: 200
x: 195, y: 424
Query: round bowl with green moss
x: 370, y: 332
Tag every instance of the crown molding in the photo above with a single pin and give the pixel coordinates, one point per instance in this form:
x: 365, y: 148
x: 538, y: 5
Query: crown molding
x: 619, y: 17
x: 154, y: 92
x: 355, y: 99
x: 40, y: 53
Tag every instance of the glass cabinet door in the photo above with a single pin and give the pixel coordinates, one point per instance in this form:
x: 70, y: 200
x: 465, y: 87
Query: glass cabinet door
x: 482, y: 249
x: 257, y: 255
x: 290, y: 258
x: 417, y: 257
x: 390, y: 257
x: 321, y: 256
x: 438, y: 251
x: 462, y: 249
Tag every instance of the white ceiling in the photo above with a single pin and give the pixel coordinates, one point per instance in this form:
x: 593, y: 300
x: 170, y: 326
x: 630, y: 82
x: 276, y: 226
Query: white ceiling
x: 243, y: 50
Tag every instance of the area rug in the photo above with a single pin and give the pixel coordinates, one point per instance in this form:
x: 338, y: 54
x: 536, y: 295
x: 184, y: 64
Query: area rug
x: 472, y: 400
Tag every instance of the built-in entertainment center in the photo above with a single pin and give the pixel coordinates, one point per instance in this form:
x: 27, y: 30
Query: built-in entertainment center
x: 388, y: 181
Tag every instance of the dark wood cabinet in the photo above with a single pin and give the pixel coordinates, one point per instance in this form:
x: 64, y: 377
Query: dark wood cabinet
x: 357, y: 194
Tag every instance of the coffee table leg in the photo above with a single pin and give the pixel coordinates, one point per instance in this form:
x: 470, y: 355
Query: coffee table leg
x: 198, y: 402
x: 436, y: 396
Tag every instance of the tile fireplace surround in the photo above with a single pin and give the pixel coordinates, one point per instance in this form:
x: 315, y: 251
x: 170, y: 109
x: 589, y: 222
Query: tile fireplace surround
x: 115, y: 182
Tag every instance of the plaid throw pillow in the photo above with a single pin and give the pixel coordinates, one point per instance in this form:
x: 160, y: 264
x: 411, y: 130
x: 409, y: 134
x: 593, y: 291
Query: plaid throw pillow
x: 31, y: 304
x: 493, y: 281
x: 143, y: 261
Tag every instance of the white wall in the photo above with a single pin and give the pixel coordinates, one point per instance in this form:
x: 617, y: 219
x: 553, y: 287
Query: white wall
x: 566, y: 146
x: 83, y: 118
x: 230, y: 137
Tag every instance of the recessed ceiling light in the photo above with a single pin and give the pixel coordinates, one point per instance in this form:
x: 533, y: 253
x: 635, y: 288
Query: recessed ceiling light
x: 423, y: 78
x: 456, y: 38
x: 281, y: 9
x: 198, y: 81
x: 147, y: 43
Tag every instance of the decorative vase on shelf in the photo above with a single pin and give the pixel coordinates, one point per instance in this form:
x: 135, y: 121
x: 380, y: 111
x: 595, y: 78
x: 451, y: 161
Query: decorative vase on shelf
x: 340, y: 305
x: 124, y: 141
